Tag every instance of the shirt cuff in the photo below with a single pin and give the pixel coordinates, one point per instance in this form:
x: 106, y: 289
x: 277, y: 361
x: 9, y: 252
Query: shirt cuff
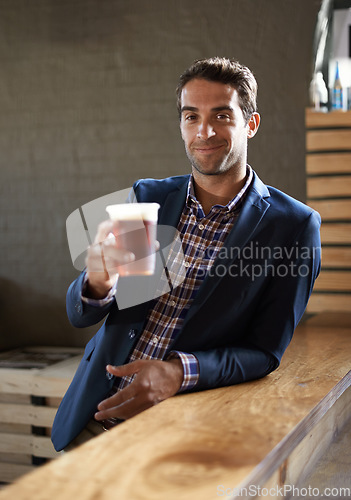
x: 190, y: 367
x: 98, y: 302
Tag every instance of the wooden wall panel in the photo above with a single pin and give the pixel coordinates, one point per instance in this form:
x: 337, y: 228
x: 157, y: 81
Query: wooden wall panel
x: 328, y: 165
x: 325, y: 140
x: 337, y: 257
x: 333, y: 302
x: 334, y: 281
x: 332, y: 210
x: 330, y: 187
x: 336, y: 233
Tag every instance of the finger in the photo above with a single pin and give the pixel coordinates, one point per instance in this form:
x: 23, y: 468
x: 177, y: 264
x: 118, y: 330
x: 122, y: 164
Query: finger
x: 115, y: 256
x: 114, y: 401
x: 129, y: 392
x: 103, y: 231
x: 127, y: 410
x: 128, y: 369
x: 117, y: 400
x: 106, y: 257
x: 126, y: 403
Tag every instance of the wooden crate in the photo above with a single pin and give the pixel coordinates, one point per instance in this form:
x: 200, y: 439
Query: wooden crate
x: 328, y: 168
x: 33, y: 381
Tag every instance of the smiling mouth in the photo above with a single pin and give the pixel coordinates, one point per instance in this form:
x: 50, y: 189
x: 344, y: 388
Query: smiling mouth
x: 208, y: 150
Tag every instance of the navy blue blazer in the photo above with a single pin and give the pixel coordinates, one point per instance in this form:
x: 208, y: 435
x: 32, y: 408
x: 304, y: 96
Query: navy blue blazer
x: 242, y: 318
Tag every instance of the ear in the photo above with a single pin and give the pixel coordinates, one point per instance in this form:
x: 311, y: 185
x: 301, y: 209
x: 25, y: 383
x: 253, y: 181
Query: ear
x: 253, y: 124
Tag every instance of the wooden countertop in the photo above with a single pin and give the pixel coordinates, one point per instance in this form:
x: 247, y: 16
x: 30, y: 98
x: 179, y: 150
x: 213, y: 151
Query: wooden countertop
x: 194, y: 446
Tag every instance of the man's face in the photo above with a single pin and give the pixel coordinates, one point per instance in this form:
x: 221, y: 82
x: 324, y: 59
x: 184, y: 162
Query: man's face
x: 213, y: 127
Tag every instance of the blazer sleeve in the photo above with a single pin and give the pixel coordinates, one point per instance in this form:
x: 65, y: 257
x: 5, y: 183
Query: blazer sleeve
x: 278, y: 312
x: 80, y: 313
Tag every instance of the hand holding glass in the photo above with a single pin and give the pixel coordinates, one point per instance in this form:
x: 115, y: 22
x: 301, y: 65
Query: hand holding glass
x: 135, y: 230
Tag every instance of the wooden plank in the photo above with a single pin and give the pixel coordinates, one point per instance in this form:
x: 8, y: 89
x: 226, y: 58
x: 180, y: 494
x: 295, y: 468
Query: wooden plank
x: 336, y: 257
x: 15, y: 398
x: 299, y: 464
x: 14, y: 381
x: 332, y: 137
x: 16, y: 458
x: 321, y: 302
x: 329, y: 187
x: 54, y: 380
x: 12, y: 443
x: 329, y: 120
x: 330, y: 320
x: 15, y: 428
x: 332, y: 209
x: 40, y: 416
x: 34, y: 371
x: 10, y: 472
x: 51, y: 381
x: 53, y: 402
x: 328, y: 163
x: 318, y: 430
x: 195, y: 442
x: 333, y: 281
x: 335, y: 233
x: 43, y: 447
x: 34, y: 357
x: 328, y: 140
x: 55, y: 350
x: 39, y: 446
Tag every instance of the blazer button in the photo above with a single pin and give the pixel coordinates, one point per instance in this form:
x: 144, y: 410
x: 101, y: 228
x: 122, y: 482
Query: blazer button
x: 109, y: 376
x: 78, y: 307
x: 132, y: 333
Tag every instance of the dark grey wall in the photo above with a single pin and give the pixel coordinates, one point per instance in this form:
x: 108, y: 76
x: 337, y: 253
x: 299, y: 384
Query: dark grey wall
x: 87, y: 107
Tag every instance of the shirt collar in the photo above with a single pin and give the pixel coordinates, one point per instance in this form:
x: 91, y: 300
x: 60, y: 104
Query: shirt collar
x: 232, y: 204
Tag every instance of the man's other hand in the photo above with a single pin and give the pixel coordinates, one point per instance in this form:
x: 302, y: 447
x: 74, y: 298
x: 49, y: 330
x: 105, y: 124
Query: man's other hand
x: 154, y: 381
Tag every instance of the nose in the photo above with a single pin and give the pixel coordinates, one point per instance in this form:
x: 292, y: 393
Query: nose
x: 205, y: 131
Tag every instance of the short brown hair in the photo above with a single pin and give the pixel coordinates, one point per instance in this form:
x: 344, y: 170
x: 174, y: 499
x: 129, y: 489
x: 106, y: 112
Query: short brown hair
x: 226, y: 71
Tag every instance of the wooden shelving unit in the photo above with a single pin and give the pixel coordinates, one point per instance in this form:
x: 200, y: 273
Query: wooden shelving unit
x: 328, y: 168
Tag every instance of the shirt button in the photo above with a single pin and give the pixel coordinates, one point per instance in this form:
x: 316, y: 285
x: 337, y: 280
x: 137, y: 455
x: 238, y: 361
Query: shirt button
x: 201, y: 226
x: 173, y: 303
x: 132, y: 333
x: 186, y: 264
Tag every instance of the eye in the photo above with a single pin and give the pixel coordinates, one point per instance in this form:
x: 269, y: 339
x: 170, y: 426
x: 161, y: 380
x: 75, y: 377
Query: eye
x: 222, y: 116
x: 190, y: 118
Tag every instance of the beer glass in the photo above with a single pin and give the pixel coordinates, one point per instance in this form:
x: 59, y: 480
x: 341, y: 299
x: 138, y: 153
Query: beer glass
x: 135, y: 230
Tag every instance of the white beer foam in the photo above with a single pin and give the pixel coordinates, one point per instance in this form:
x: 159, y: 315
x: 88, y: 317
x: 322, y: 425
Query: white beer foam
x: 133, y: 211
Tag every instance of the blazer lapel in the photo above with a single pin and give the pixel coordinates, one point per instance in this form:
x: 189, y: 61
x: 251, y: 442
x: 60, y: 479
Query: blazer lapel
x: 170, y: 213
x: 251, y: 215
x: 173, y: 205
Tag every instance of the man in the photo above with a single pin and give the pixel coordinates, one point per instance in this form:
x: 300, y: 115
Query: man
x: 251, y: 253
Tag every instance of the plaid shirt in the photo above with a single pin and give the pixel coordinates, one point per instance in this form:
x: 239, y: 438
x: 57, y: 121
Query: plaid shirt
x: 202, y: 237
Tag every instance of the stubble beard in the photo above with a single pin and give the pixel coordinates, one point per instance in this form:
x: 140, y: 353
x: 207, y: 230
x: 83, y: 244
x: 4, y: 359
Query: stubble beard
x: 218, y: 167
